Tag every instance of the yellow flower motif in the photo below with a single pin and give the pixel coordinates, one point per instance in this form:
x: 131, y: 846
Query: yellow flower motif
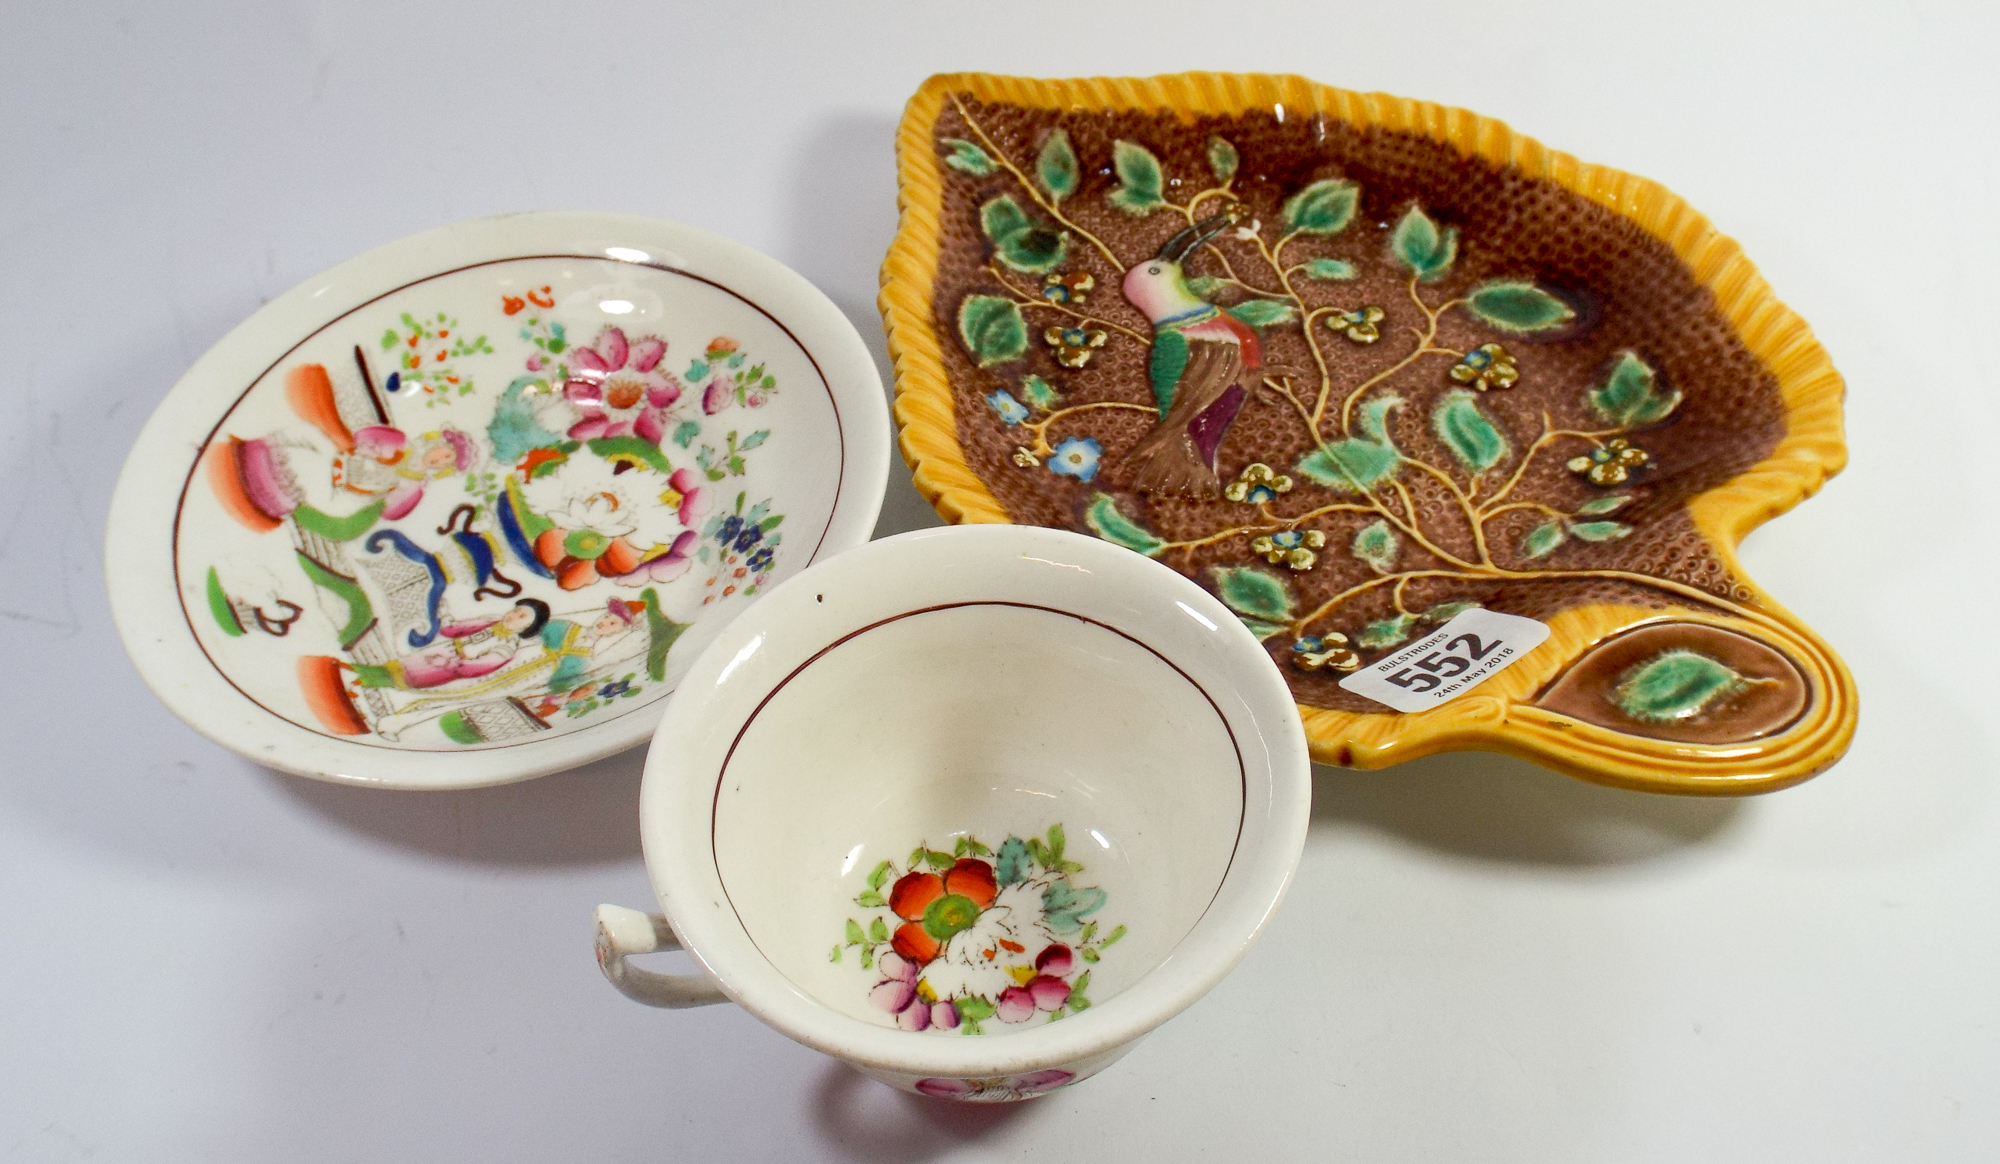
x: 1611, y: 463
x: 1069, y: 289
x: 1358, y: 326
x: 1073, y: 345
x: 1486, y: 366
x: 1025, y: 459
x: 1328, y: 650
x: 1293, y: 547
x: 1256, y: 484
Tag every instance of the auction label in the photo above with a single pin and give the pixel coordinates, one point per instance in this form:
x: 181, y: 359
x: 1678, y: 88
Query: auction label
x: 1450, y: 661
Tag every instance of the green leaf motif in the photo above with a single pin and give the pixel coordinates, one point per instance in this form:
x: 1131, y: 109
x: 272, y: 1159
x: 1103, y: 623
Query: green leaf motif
x: 871, y: 899
x: 1011, y: 866
x: 1466, y: 430
x: 854, y: 934
x: 1110, y: 523
x: 1388, y: 632
x: 1002, y: 216
x: 993, y: 329
x: 1222, y: 159
x: 835, y: 956
x: 1375, y: 417
x: 1631, y: 397
x: 966, y: 157
x: 1323, y: 208
x: 1064, y: 906
x: 878, y: 875
x: 1418, y: 244
x: 1446, y: 611
x: 219, y: 607
x: 1204, y: 286
x: 1018, y: 240
x: 1351, y: 465
x: 1039, y: 393
x: 1139, y: 177
x: 1263, y: 630
x: 1255, y: 592
x: 1057, y: 167
x: 1518, y: 307
x: 878, y: 931
x: 1543, y: 539
x: 1377, y: 544
x: 1262, y: 313
x: 1674, y: 685
x: 1330, y: 269
x: 1600, y: 531
x: 1607, y: 504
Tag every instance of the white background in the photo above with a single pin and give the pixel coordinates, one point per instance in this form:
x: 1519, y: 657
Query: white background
x: 203, y: 960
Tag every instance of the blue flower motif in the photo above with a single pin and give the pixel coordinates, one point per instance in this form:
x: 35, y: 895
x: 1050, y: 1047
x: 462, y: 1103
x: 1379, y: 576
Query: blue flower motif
x: 750, y: 536
x: 614, y: 690
x: 760, y: 561
x: 1011, y: 410
x: 1076, y: 457
x: 727, y: 531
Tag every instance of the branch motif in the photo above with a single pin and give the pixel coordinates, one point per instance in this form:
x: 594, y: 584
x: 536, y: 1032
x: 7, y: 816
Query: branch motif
x: 1355, y: 479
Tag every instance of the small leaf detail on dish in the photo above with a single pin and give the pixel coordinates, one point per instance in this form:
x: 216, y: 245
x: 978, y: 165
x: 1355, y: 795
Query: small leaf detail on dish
x: 1020, y: 241
x: 1468, y: 432
x: 1057, y: 167
x: 965, y: 157
x: 993, y: 329
x: 1675, y: 685
x: 1110, y: 523
x: 1419, y: 245
x: 1140, y: 180
x: 1630, y: 396
x: 1518, y: 307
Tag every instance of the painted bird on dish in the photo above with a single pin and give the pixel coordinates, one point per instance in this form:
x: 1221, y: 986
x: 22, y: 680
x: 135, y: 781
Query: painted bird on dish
x: 1205, y: 363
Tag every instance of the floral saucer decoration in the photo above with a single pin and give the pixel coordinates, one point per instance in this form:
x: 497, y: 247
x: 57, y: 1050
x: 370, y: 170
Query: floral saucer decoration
x: 979, y: 935
x: 451, y: 500
x: 1361, y: 365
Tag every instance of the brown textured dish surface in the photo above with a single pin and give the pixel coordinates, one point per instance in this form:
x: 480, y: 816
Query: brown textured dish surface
x: 1578, y: 394
x: 1634, y: 293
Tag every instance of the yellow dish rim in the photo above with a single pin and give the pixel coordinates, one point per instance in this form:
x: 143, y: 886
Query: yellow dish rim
x: 1496, y: 716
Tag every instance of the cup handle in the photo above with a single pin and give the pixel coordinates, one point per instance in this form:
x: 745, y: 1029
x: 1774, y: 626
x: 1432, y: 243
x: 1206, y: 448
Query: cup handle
x: 623, y: 932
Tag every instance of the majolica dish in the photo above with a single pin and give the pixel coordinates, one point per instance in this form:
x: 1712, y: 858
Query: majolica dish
x: 1383, y: 376
x: 459, y: 511
x: 972, y: 808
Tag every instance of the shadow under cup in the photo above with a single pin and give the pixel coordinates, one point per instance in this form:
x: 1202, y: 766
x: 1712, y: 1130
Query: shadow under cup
x: 979, y: 817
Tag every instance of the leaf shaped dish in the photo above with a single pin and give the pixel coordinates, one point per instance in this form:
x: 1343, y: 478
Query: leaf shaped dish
x: 1362, y: 365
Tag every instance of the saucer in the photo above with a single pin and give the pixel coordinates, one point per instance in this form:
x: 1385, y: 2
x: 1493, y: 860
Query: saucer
x: 461, y: 510
x: 1466, y: 431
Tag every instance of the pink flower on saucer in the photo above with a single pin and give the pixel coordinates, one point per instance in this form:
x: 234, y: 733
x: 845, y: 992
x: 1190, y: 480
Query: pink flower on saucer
x: 620, y: 388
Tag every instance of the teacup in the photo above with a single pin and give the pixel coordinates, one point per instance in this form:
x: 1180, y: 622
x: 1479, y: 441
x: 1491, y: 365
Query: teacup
x: 972, y: 809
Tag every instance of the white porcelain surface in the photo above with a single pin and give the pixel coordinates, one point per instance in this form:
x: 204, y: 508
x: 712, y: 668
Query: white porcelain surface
x: 981, y: 721
x: 980, y: 682
x: 329, y: 545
